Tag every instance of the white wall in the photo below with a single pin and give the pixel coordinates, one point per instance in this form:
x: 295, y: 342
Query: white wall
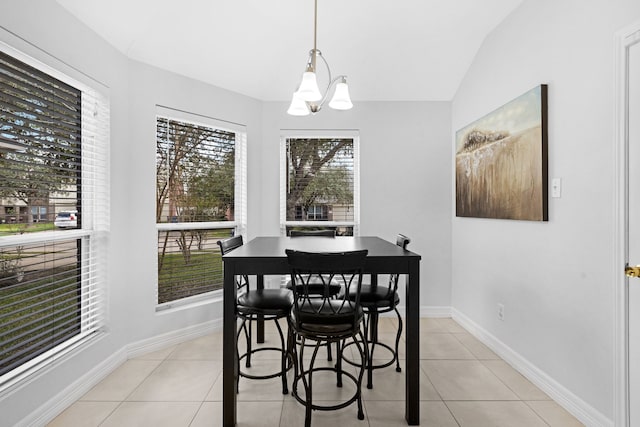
x: 554, y: 278
x: 405, y: 181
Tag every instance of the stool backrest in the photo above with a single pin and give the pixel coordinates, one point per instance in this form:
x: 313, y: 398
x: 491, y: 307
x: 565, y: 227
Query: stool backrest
x: 401, y: 241
x: 226, y: 246
x: 312, y: 233
x: 343, y: 267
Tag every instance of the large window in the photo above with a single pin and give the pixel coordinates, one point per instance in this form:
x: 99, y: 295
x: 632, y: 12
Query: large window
x: 320, y: 182
x: 53, y: 159
x: 200, y: 198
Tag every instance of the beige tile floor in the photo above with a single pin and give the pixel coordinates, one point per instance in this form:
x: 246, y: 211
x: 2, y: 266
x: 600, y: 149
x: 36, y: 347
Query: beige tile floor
x: 463, y: 384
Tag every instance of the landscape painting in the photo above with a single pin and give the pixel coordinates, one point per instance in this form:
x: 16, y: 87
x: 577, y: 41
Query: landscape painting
x: 501, y: 162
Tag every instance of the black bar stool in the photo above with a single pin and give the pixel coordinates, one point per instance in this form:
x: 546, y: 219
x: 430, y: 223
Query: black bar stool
x: 266, y: 304
x: 326, y: 319
x: 376, y: 300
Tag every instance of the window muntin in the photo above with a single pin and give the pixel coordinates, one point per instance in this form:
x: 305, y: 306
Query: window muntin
x: 200, y: 199
x: 53, y: 157
x: 320, y: 185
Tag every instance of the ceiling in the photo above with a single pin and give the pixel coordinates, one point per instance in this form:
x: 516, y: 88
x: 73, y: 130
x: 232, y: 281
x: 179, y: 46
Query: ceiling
x: 401, y: 50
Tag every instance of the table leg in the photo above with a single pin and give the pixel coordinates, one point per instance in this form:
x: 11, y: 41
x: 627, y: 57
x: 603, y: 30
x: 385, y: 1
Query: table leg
x: 229, y: 365
x: 260, y: 321
x: 412, y: 322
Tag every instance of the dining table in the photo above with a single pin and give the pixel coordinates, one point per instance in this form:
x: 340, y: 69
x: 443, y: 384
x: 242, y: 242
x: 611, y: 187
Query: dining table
x: 265, y: 256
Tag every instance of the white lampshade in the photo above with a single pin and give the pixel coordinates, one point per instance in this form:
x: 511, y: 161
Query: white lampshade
x: 308, y: 90
x: 341, y: 99
x: 298, y: 107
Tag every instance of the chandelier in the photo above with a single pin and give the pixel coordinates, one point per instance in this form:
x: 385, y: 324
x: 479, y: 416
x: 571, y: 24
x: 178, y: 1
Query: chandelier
x: 308, y: 98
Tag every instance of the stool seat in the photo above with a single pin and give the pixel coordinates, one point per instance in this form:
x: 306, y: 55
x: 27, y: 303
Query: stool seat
x: 264, y: 301
x: 318, y: 288
x: 380, y: 296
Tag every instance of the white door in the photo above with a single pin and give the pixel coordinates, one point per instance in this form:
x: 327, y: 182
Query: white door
x: 634, y: 233
x: 633, y: 241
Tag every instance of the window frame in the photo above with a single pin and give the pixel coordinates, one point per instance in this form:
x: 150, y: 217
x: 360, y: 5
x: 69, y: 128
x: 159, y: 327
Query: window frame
x: 93, y: 232
x: 293, y: 134
x: 239, y: 225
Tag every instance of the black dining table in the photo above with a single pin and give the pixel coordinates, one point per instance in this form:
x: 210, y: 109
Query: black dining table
x: 265, y: 256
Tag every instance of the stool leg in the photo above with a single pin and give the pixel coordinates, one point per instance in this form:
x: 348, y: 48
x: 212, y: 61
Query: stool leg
x: 398, y: 369
x: 363, y: 357
x: 283, y: 359
x: 249, y: 341
x: 309, y: 385
x: 339, y: 348
x: 242, y: 327
x: 373, y: 333
x: 293, y: 352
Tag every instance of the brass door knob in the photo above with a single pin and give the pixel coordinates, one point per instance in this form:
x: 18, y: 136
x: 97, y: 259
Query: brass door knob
x: 632, y: 271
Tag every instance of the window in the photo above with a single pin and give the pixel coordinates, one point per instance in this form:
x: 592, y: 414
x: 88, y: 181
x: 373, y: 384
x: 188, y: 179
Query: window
x: 39, y: 213
x: 200, y: 199
x: 320, y: 182
x: 53, y: 156
x: 314, y: 213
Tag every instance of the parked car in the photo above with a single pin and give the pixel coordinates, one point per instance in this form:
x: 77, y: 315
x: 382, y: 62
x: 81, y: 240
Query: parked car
x: 66, y: 219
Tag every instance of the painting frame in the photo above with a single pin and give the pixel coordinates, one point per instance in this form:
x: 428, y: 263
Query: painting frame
x: 501, y: 161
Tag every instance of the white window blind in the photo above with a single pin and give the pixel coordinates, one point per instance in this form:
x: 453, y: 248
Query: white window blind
x: 320, y: 182
x: 53, y: 158
x: 200, y: 199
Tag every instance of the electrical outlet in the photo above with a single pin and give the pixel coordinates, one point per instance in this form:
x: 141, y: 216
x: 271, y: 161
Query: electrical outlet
x: 501, y: 311
x: 556, y: 187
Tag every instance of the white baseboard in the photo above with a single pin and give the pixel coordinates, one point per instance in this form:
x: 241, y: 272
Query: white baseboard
x: 584, y: 412
x: 172, y: 338
x: 65, y: 398
x: 51, y: 409
x: 435, y: 311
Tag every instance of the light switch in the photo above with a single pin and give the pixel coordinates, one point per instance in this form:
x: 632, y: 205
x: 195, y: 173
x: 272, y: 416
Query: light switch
x: 556, y: 187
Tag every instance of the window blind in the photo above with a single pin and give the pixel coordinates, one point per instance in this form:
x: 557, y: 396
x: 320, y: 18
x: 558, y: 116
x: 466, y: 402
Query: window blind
x: 200, y: 199
x: 54, y: 134
x: 39, y: 144
x: 320, y: 183
x: 195, y: 172
x: 189, y: 262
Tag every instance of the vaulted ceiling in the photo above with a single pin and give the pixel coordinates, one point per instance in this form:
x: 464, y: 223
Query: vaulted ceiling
x: 400, y: 50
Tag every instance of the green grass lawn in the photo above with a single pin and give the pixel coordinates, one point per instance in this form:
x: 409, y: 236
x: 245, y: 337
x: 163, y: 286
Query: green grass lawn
x: 177, y: 279
x: 38, y: 313
x: 10, y: 229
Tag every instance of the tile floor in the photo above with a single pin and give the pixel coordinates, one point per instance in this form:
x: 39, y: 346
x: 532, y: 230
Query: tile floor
x: 463, y: 384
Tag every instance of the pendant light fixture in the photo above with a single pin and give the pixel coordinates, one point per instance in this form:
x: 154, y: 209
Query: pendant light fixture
x: 308, y: 98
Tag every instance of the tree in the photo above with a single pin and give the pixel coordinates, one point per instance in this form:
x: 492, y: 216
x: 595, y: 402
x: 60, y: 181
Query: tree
x: 194, y: 170
x: 316, y: 174
x: 40, y: 124
x: 212, y: 193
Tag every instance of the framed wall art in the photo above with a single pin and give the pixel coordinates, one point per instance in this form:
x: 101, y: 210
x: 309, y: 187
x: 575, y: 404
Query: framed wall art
x: 501, y: 161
